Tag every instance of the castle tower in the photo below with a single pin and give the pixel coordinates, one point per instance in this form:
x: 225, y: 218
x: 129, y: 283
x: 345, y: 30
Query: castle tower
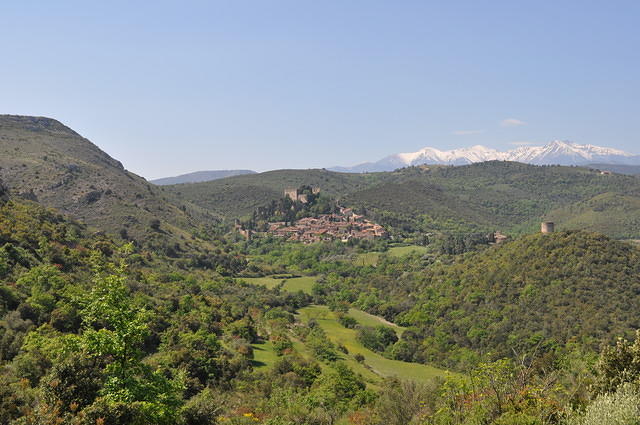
x: 547, y: 227
x: 291, y: 193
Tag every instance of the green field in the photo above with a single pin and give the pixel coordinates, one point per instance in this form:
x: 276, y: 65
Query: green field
x: 371, y: 258
x: 379, y: 366
x: 366, y: 319
x: 373, y: 369
x: 263, y: 354
x: 293, y: 284
x: 399, y: 251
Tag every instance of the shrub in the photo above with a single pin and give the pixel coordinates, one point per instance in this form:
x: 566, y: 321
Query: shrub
x: 619, y: 408
x: 322, y: 348
x: 347, y: 321
x: 378, y: 338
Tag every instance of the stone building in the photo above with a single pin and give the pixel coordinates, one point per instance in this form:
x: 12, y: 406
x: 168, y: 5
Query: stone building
x: 295, y: 194
x: 547, y: 227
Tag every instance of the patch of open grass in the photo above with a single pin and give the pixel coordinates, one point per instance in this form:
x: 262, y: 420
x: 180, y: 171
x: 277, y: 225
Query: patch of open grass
x: 371, y: 258
x: 264, y: 355
x: 367, y: 259
x: 399, y: 251
x: 293, y: 284
x: 366, y: 319
x: 374, y: 362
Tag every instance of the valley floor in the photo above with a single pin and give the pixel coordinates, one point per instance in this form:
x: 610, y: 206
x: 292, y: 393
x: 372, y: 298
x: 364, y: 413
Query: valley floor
x: 373, y: 368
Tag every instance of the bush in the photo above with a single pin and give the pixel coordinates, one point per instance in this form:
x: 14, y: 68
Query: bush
x: 378, y: 338
x: 201, y: 409
x: 347, y: 321
x: 619, y: 408
x: 322, y: 348
x: 76, y: 381
x: 281, y: 343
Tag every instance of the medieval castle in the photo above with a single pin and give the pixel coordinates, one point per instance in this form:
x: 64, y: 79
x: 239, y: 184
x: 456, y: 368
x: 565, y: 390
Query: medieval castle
x: 296, y: 195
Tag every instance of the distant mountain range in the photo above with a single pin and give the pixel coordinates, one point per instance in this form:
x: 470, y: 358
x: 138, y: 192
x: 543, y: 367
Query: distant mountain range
x: 200, y: 176
x: 554, y: 153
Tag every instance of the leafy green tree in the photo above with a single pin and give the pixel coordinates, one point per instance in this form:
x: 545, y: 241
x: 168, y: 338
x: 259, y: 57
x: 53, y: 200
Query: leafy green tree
x: 44, y: 284
x: 114, y: 328
x: 618, y: 365
x: 378, y: 338
x: 338, y: 387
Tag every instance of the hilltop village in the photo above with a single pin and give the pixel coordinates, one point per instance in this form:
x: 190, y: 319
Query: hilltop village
x: 340, y: 224
x: 344, y: 226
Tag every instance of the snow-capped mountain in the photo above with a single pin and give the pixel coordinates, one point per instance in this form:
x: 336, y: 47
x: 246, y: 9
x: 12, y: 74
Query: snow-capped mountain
x: 554, y: 153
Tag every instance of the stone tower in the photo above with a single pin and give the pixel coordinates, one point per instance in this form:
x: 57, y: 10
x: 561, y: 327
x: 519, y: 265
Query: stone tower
x: 291, y: 193
x: 547, y: 227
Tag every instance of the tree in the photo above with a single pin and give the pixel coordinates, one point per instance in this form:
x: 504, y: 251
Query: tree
x: 618, y: 365
x: 404, y: 402
x: 337, y: 387
x: 114, y: 328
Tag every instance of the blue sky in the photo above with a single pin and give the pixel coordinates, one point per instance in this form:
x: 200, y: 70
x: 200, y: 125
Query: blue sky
x: 173, y: 87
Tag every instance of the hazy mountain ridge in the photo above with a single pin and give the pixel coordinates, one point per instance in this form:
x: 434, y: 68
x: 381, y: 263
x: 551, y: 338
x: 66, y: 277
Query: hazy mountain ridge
x: 200, y: 176
x: 554, y: 153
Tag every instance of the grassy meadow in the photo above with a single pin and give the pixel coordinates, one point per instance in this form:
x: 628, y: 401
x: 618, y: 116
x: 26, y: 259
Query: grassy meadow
x: 291, y: 284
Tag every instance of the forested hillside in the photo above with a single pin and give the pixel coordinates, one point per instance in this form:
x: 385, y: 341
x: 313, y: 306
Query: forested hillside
x: 543, y: 291
x: 482, y: 197
x: 503, y: 195
x: 610, y: 213
x: 93, y: 332
x: 239, y: 196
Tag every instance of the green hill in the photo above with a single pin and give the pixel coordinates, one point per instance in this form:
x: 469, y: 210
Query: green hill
x: 610, y: 213
x: 509, y: 196
x: 239, y: 196
x: 550, y: 289
x: 45, y: 161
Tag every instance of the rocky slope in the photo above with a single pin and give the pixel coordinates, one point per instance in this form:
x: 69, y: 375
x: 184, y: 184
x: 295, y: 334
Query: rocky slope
x: 45, y: 161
